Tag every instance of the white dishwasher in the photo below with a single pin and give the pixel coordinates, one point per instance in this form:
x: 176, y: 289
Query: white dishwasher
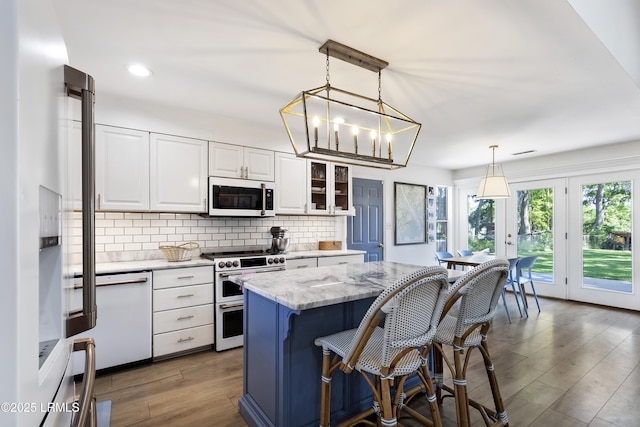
x: 123, y: 326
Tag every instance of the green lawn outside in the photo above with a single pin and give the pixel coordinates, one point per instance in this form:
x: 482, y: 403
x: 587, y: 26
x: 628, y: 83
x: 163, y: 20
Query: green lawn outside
x: 598, y: 263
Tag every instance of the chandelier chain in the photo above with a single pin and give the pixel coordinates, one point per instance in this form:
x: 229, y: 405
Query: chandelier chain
x: 379, y: 85
x: 328, y: 68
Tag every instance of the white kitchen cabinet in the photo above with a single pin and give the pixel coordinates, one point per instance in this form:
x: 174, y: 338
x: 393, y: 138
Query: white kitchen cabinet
x: 122, y: 169
x: 178, y: 171
x: 298, y: 263
x: 234, y: 161
x: 291, y: 184
x: 74, y: 165
x: 329, y: 188
x: 182, y: 310
x: 342, y: 259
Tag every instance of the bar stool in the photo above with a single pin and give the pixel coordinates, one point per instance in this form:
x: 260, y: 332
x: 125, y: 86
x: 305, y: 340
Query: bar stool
x: 478, y: 291
x: 386, y: 355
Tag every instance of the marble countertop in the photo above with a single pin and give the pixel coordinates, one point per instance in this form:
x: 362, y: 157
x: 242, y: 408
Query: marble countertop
x: 142, y: 265
x: 317, y: 287
x: 318, y: 253
x: 161, y: 263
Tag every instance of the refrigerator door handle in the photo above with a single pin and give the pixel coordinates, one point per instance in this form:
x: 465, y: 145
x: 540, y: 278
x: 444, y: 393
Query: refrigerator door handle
x: 81, y: 86
x: 86, y: 415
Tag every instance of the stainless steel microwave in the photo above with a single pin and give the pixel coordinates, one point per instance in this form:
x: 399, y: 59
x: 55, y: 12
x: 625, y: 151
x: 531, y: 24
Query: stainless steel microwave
x: 240, y: 197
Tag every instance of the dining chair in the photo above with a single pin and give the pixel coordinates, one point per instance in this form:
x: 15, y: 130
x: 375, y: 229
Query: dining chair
x: 464, y: 252
x: 511, y: 283
x: 476, y: 296
x: 442, y: 256
x: 387, y: 355
x: 523, y: 276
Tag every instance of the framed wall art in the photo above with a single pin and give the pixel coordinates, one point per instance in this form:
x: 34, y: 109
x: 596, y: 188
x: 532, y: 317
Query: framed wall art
x: 410, y: 213
x: 431, y: 213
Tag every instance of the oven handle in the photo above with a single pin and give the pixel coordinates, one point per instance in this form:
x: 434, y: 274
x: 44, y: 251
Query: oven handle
x: 228, y: 306
x: 265, y: 270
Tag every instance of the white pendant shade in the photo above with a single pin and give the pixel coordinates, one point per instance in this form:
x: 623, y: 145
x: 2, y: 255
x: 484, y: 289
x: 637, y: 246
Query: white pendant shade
x: 494, y: 185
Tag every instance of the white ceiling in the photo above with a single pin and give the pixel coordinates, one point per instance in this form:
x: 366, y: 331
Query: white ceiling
x: 526, y: 74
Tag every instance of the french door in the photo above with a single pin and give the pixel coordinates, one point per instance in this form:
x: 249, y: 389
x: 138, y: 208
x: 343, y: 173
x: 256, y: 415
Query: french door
x: 535, y: 225
x: 603, y: 229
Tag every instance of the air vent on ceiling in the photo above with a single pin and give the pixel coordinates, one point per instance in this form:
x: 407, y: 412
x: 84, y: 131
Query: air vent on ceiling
x: 523, y: 152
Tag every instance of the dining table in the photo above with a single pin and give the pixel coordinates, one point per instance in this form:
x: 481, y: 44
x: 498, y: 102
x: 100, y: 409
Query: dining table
x: 471, y: 260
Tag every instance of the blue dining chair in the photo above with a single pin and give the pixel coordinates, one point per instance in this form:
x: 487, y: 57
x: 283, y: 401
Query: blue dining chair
x: 464, y: 252
x: 523, y: 276
x: 511, y: 282
x: 441, y: 257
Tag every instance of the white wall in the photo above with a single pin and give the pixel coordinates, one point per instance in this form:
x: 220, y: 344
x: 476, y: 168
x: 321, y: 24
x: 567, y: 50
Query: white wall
x: 134, y: 114
x: 596, y: 159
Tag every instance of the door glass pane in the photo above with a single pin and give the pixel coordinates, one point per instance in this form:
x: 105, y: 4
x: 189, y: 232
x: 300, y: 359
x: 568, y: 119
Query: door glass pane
x: 535, y: 230
x: 606, y: 236
x: 481, y: 218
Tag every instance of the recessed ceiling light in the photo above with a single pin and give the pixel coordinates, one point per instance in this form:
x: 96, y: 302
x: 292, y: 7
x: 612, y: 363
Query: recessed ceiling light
x: 139, y: 70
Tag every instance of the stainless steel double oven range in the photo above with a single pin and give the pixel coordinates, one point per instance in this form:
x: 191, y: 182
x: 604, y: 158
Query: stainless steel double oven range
x: 228, y: 296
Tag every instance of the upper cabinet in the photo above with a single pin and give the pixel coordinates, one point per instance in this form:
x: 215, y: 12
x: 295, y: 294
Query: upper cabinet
x: 178, y: 171
x: 291, y: 184
x: 329, y: 188
x: 234, y: 161
x: 137, y: 171
x: 122, y: 169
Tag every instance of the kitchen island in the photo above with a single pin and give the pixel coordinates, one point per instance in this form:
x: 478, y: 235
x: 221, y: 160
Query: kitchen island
x: 284, y: 312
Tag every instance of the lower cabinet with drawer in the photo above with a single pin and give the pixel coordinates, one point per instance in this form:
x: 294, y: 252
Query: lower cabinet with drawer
x: 297, y: 263
x: 343, y: 259
x: 182, y: 310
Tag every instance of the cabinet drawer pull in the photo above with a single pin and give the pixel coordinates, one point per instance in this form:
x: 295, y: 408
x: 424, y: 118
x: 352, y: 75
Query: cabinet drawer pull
x: 185, y: 317
x: 303, y: 266
x: 184, y: 296
x: 344, y: 262
x: 185, y: 277
x: 185, y: 339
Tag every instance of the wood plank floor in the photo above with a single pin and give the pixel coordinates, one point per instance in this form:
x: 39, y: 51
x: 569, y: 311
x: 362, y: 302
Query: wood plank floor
x: 571, y: 365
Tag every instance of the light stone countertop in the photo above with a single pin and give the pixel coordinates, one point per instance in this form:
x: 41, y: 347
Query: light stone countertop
x: 321, y: 286
x: 318, y: 253
x: 161, y: 263
x: 142, y: 265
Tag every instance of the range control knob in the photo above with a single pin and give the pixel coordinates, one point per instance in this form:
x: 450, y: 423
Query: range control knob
x: 228, y: 264
x: 281, y: 260
x: 275, y: 260
x: 270, y: 260
x: 221, y: 264
x: 236, y: 263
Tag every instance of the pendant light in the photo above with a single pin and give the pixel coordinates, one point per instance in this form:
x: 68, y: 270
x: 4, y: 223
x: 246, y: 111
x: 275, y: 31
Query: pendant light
x: 494, y: 185
x: 327, y: 123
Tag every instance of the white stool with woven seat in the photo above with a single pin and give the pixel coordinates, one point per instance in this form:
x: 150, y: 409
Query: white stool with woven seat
x: 478, y: 292
x: 387, y: 355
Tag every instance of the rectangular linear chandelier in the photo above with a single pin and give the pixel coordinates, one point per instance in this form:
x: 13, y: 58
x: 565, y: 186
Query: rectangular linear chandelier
x: 327, y: 123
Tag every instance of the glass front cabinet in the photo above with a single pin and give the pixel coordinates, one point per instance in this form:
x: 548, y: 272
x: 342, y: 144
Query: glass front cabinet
x: 329, y: 191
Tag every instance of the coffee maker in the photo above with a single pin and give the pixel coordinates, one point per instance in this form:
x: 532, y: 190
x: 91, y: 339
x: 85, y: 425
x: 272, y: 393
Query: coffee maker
x: 279, y: 243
